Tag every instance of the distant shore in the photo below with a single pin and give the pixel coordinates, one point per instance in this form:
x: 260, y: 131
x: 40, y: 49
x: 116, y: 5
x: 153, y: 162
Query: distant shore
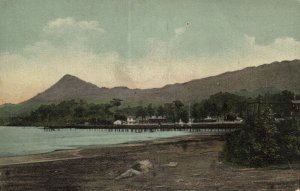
x: 194, y: 160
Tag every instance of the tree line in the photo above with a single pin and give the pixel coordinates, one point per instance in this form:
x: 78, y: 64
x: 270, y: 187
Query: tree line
x: 223, y: 105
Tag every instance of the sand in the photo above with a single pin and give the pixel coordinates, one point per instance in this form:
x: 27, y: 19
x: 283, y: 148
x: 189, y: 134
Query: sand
x: 194, y: 160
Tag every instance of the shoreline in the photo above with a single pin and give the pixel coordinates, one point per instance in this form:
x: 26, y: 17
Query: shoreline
x: 69, y: 154
x: 189, y: 162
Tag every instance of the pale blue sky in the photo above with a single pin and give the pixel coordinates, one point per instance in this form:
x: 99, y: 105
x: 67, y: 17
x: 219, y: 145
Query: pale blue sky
x: 138, y: 43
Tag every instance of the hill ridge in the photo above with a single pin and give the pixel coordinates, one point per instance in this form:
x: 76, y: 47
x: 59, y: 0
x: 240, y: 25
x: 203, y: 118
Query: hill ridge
x: 278, y: 75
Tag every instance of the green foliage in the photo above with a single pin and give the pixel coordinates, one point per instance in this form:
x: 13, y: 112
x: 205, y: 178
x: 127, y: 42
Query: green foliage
x: 262, y: 141
x: 67, y: 112
x: 170, y: 111
x: 288, y: 138
x: 282, y: 100
x: 160, y: 111
x: 141, y: 112
x: 116, y: 102
x: 220, y: 105
x: 230, y: 117
x: 179, y: 111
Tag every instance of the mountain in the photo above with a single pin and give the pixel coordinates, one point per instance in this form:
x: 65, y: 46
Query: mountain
x: 68, y: 87
x: 278, y: 75
x: 271, y: 78
x: 71, y: 87
x: 250, y: 81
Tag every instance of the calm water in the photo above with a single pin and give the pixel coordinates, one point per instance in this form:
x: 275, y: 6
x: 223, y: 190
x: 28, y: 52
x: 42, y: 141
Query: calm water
x: 31, y: 140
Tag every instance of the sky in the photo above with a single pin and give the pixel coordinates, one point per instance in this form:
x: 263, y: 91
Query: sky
x: 138, y: 43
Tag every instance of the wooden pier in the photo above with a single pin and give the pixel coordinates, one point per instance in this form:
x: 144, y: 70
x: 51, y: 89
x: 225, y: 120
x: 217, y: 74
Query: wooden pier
x: 222, y: 127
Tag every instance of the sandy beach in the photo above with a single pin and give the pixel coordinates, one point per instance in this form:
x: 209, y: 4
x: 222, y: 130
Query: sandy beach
x: 196, y: 158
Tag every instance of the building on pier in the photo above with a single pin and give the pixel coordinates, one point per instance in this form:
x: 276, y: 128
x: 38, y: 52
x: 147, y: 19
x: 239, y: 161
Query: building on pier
x: 130, y: 120
x: 157, y: 119
x: 118, y: 122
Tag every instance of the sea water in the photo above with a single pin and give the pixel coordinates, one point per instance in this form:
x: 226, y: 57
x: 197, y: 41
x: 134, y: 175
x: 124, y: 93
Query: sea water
x: 32, y: 140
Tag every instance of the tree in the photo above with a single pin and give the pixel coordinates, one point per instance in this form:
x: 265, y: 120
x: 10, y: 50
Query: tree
x: 169, y: 110
x: 141, y: 112
x: 160, y: 111
x: 289, y: 140
x: 178, y: 104
x: 281, y: 102
x: 198, y: 111
x: 80, y: 111
x: 96, y: 111
x: 178, y: 109
x: 116, y: 102
x: 262, y: 142
x: 183, y: 115
x: 150, y: 111
x: 119, y: 117
x: 107, y: 112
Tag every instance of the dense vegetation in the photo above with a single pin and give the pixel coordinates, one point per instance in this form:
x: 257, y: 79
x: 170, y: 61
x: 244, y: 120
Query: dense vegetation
x: 80, y: 112
x: 263, y: 141
x: 225, y: 106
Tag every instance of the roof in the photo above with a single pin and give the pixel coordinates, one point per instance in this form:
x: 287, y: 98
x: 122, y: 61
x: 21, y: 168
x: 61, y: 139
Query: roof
x: 155, y: 117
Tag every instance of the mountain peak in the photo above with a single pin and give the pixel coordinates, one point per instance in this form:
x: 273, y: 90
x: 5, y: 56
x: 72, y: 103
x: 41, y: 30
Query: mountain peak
x: 69, y: 77
x: 70, y: 81
x: 68, y: 87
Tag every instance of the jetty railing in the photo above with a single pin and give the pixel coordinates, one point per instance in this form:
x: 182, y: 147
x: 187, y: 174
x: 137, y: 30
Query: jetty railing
x: 193, y: 127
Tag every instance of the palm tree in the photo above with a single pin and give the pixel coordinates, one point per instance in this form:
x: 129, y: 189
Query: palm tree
x: 178, y: 108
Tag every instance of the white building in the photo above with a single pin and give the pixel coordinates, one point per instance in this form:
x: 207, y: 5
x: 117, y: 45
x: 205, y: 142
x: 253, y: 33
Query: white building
x: 118, y: 122
x: 130, y: 120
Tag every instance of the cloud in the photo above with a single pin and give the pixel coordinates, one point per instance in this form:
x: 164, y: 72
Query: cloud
x: 285, y: 48
x: 72, y: 33
x: 160, y: 49
x: 40, y: 47
x: 64, y: 34
x: 61, y: 25
x: 180, y: 30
